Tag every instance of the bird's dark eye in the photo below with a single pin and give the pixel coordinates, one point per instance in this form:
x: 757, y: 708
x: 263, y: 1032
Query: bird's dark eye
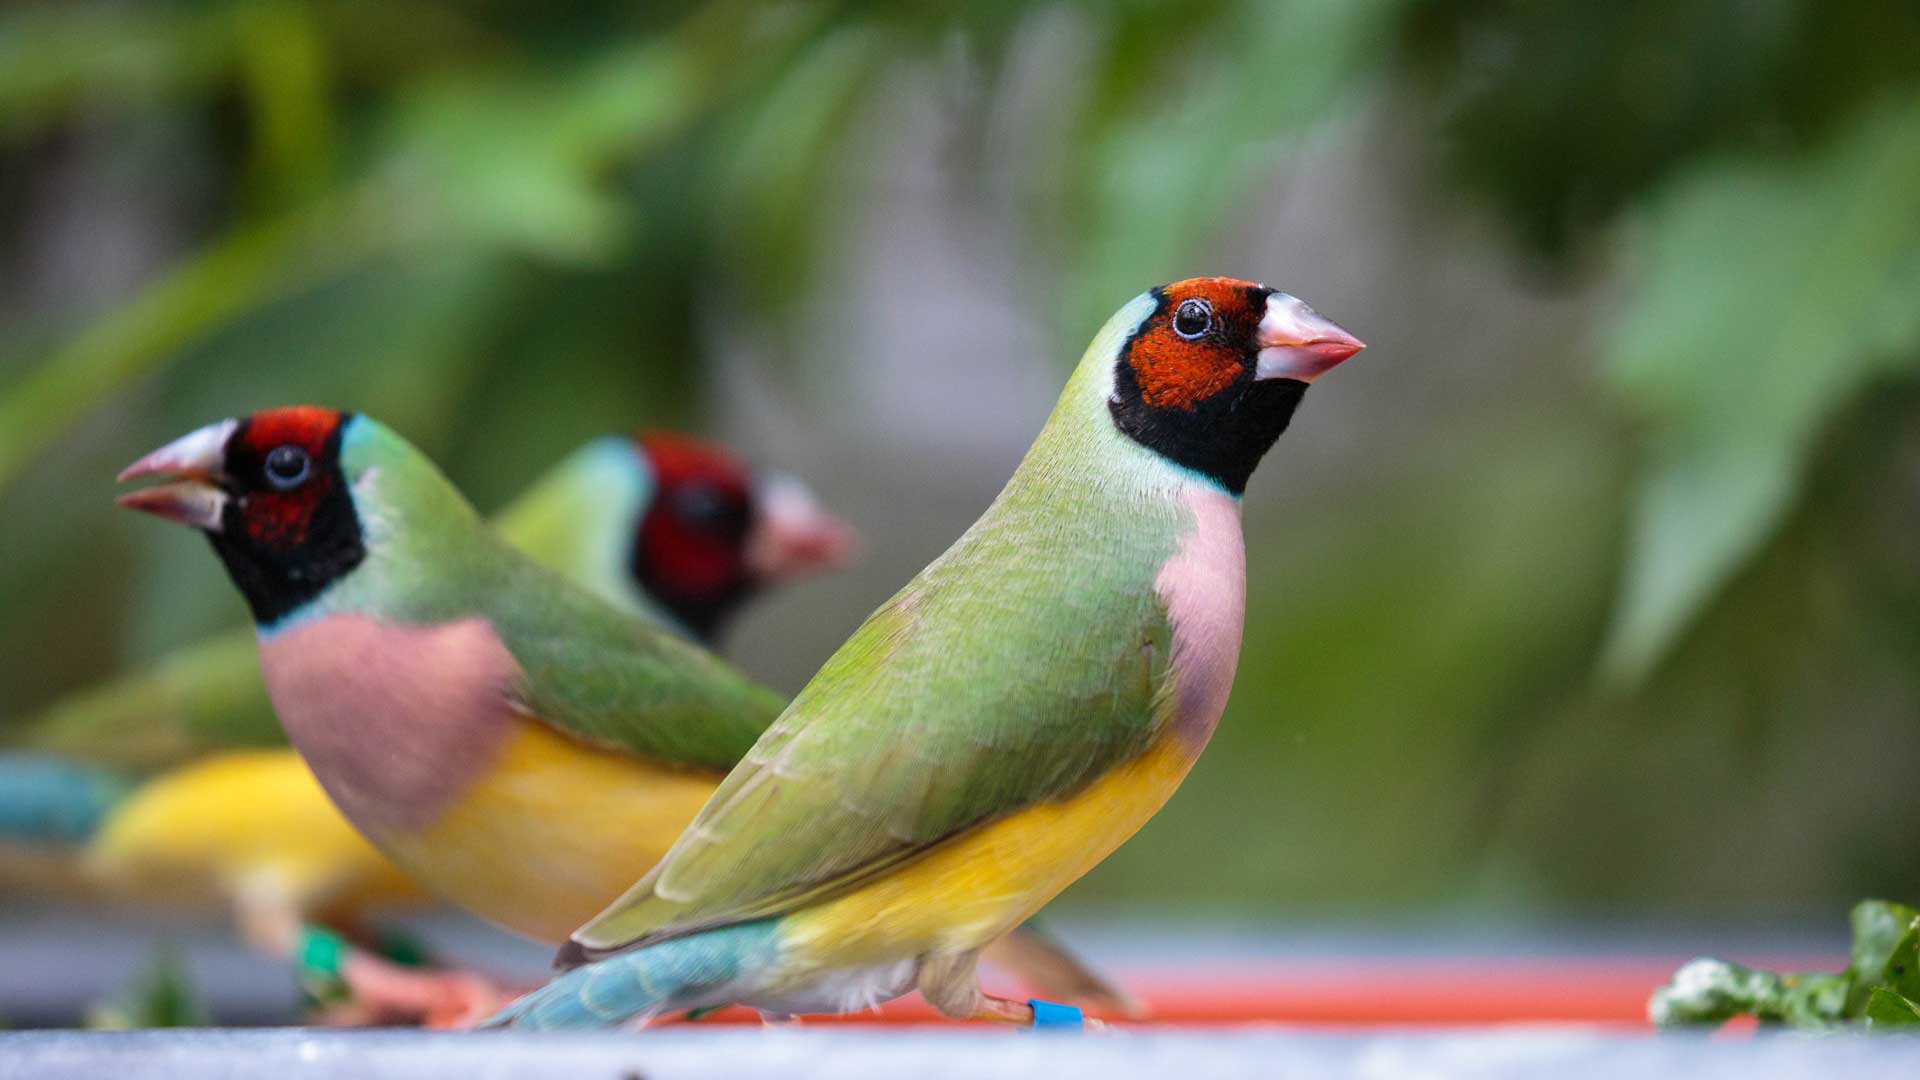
x: 702, y: 505
x: 287, y: 467
x: 1193, y: 318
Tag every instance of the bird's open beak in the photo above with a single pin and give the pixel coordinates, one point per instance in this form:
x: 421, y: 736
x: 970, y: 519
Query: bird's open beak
x: 193, y: 462
x: 793, y: 535
x: 1297, y: 342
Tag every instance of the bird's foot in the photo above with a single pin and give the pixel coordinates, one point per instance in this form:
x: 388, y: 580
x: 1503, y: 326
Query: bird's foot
x: 1037, y: 1015
x: 1046, y: 967
x: 369, y: 990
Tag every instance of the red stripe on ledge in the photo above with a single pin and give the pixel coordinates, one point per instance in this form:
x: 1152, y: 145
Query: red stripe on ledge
x: 1609, y: 992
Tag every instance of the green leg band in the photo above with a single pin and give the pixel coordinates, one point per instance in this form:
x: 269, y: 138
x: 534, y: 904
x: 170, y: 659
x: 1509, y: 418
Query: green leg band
x: 320, y: 957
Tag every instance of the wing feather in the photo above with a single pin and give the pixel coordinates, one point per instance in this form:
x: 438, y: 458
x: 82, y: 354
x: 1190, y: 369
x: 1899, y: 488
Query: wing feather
x: 1007, y: 674
x: 620, y: 682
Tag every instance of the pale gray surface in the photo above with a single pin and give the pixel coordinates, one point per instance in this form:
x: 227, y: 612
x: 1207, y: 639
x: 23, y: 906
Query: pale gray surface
x: 801, y: 1053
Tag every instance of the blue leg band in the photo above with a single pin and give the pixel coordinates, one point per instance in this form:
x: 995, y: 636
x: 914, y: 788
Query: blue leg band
x: 1050, y: 1016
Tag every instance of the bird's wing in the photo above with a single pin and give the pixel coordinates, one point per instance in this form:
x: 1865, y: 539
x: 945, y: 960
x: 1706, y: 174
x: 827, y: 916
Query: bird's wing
x: 620, y: 683
x: 973, y: 693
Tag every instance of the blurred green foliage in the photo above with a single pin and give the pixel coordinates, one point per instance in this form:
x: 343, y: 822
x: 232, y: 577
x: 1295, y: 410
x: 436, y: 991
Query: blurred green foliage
x: 163, y: 996
x: 505, y: 227
x: 1741, y: 374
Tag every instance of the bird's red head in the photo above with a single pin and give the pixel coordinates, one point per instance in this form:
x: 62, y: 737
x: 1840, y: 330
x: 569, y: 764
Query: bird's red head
x: 269, y: 493
x: 713, y: 535
x: 1211, y: 376
x: 284, y: 466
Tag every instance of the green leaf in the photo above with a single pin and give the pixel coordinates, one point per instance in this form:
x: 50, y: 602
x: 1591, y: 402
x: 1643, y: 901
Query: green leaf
x: 1879, y: 929
x: 1813, y: 1002
x: 1886, y: 1009
x: 1772, y: 293
x: 1880, y: 985
x: 1902, y: 972
x: 1707, y: 991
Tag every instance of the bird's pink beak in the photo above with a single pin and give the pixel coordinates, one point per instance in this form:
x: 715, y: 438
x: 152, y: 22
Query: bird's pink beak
x: 194, y: 461
x: 1297, y: 342
x: 793, y: 535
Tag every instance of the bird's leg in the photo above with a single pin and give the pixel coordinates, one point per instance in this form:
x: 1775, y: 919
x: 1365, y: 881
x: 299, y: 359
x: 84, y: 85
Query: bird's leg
x: 1048, y: 968
x: 368, y: 989
x: 1001, y: 1010
x: 352, y: 986
x: 267, y: 913
x: 392, y: 992
x: 951, y: 984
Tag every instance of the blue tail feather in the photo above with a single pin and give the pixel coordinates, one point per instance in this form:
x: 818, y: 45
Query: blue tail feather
x: 677, y: 974
x: 49, y: 801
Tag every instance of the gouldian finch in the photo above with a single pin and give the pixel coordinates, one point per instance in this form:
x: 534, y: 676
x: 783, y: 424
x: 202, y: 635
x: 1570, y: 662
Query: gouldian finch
x: 663, y: 525
x: 510, y: 741
x: 672, y: 528
x: 1004, y: 722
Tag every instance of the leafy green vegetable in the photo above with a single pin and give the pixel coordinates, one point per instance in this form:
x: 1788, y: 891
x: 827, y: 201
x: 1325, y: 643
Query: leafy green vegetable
x: 1886, y: 1009
x: 1880, y: 988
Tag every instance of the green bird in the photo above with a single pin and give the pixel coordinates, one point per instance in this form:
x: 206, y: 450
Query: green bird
x: 668, y: 527
x: 1004, y: 722
x: 510, y: 741
x: 675, y: 530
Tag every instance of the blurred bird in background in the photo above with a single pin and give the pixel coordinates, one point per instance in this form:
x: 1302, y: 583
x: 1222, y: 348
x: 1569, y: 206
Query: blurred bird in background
x: 672, y: 529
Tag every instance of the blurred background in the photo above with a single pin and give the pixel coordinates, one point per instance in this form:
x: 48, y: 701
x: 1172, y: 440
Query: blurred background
x: 1589, y: 592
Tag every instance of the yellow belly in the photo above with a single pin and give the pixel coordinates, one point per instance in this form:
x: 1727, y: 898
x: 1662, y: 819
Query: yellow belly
x: 553, y: 833
x: 251, y: 820
x: 974, y: 889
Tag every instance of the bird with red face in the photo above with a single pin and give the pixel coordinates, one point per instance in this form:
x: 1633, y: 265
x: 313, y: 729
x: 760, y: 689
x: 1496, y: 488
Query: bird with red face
x: 713, y: 537
x: 674, y: 529
x: 509, y: 740
x: 666, y: 526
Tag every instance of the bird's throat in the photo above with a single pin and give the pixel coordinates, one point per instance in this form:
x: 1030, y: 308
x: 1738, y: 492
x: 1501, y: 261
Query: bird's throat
x: 1222, y: 438
x: 277, y: 581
